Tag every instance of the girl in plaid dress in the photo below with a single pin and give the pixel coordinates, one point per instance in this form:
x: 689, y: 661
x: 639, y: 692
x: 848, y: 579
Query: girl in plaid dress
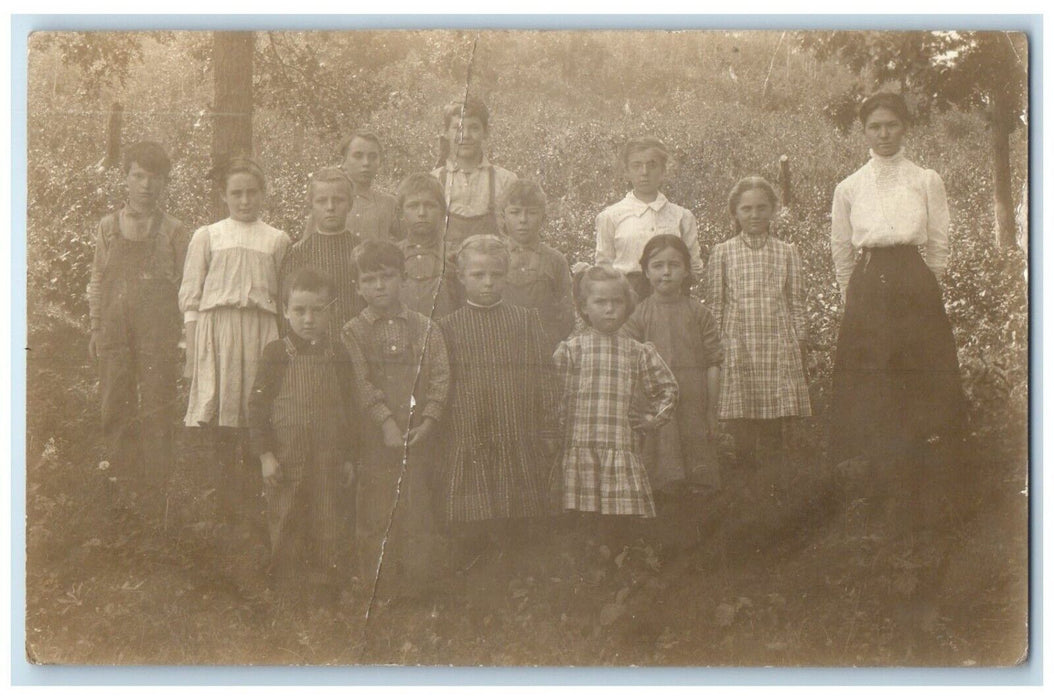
x: 755, y: 291
x: 603, y: 373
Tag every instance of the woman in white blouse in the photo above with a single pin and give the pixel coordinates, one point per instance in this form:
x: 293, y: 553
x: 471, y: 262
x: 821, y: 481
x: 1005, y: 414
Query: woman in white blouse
x: 896, y: 390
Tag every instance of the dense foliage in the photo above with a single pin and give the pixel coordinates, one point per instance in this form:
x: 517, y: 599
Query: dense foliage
x: 562, y: 104
x: 727, y: 104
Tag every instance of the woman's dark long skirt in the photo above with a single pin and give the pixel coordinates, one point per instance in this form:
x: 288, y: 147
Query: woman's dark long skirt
x: 896, y: 382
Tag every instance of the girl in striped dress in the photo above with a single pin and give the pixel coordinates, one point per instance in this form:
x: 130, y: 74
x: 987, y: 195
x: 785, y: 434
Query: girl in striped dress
x: 607, y: 376
x: 755, y: 292
x: 229, y: 300
x: 501, y: 407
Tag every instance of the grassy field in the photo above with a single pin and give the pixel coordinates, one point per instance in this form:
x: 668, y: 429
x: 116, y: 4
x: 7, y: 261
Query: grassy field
x: 807, y: 567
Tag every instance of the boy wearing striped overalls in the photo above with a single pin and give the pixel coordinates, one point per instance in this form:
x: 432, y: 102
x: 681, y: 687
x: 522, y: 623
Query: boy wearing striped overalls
x: 302, y: 427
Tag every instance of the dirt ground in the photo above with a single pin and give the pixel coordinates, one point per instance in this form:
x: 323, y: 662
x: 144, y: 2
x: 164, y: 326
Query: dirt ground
x: 805, y: 567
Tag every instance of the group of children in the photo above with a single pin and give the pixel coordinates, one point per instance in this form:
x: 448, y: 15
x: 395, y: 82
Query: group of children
x: 410, y: 368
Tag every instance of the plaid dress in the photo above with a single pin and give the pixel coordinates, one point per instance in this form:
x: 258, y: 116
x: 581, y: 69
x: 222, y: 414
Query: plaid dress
x: 601, y: 468
x: 758, y: 299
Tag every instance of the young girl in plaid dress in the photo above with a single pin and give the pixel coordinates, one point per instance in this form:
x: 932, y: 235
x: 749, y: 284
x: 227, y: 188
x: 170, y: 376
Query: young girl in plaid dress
x: 603, y: 373
x: 755, y: 291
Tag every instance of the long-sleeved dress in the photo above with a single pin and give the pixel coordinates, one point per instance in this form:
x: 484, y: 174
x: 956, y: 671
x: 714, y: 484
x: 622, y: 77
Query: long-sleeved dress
x: 230, y: 288
x: 600, y: 467
x: 757, y: 297
x: 689, y: 341
x: 501, y: 406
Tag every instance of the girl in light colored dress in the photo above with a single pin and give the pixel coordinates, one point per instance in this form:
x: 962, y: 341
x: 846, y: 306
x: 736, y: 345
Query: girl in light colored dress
x: 755, y: 291
x: 229, y: 300
x: 604, y: 371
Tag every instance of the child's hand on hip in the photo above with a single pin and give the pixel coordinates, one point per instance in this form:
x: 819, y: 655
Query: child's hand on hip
x: 421, y: 432
x: 647, y: 423
x: 270, y: 469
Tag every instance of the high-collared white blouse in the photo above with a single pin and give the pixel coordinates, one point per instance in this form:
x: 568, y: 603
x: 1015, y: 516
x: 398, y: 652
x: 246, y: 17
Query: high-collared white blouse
x: 889, y: 201
x: 624, y: 228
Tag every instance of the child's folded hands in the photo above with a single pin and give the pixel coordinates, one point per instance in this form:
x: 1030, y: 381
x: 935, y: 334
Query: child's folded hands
x: 421, y: 432
x: 393, y: 437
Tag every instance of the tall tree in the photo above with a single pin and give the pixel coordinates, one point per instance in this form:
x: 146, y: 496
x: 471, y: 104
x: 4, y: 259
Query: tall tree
x: 985, y: 71
x: 232, y: 130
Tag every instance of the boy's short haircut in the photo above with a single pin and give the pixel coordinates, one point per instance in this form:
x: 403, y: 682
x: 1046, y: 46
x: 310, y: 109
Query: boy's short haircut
x: 372, y: 256
x: 364, y: 134
x: 309, y: 279
x: 329, y: 175
x: 473, y: 107
x: 483, y: 244
x: 641, y: 143
x: 148, y: 155
x: 526, y: 193
x: 415, y: 183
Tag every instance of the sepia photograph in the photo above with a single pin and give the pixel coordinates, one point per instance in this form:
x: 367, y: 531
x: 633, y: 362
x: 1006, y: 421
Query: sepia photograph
x: 518, y: 348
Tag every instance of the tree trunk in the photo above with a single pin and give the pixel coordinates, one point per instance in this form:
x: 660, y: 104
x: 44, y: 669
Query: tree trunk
x: 232, y: 126
x: 1001, y: 125
x: 784, y: 179
x: 113, y: 135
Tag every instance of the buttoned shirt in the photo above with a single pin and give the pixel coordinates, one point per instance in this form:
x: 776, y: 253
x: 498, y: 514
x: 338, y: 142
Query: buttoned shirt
x: 624, y: 228
x: 540, y: 278
x: 374, y: 341
x: 468, y: 189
